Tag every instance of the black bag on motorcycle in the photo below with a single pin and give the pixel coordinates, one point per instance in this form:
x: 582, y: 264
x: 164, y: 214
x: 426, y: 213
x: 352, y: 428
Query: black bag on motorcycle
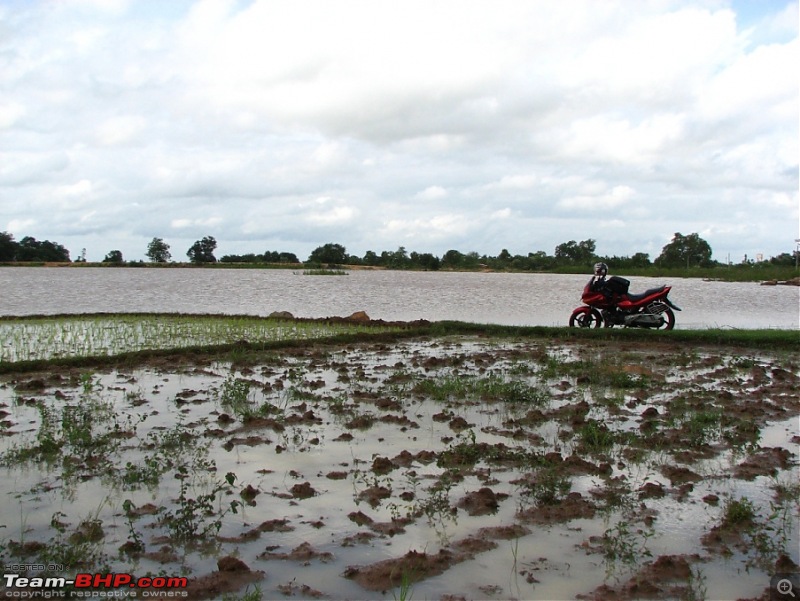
x: 617, y: 285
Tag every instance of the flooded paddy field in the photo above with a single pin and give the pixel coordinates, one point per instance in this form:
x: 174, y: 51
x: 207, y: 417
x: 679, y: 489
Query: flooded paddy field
x: 454, y: 467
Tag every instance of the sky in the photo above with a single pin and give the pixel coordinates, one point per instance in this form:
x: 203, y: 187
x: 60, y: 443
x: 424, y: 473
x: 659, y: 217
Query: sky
x: 472, y: 125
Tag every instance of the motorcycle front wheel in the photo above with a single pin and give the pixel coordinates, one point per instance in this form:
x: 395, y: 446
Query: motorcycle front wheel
x: 585, y: 317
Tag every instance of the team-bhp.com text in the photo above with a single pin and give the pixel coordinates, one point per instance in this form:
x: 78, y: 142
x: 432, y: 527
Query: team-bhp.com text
x: 93, y: 585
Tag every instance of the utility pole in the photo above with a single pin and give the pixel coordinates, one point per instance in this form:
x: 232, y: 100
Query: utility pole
x: 796, y: 252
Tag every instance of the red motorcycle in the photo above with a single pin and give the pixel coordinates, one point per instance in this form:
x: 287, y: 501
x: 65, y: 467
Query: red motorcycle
x: 608, y: 302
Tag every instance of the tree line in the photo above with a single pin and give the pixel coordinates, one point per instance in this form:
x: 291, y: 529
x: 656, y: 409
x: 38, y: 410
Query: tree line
x: 683, y: 251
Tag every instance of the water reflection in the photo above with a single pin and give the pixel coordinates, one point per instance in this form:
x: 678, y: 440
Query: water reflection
x: 504, y: 298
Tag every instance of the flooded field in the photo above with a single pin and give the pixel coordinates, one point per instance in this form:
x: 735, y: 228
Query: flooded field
x: 430, y: 468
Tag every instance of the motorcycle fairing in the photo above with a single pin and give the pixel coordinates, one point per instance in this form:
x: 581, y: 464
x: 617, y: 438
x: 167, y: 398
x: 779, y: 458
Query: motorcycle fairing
x: 634, y: 300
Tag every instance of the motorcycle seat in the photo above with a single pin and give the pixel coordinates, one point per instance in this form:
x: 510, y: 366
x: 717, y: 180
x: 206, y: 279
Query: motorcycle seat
x: 635, y: 298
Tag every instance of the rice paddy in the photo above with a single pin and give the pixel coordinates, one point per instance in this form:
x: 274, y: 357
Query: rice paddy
x: 43, y: 338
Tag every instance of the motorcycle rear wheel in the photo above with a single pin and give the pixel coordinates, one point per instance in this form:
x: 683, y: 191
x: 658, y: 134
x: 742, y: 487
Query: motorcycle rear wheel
x: 585, y: 317
x: 666, y: 313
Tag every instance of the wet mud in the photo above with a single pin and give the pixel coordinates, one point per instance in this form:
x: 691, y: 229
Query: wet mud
x: 453, y: 468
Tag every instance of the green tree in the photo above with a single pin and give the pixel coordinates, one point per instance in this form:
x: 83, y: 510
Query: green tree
x: 640, y: 259
x: 398, y: 259
x: 426, y: 261
x: 452, y: 259
x: 30, y: 249
x: 114, y: 256
x: 202, y: 251
x: 158, y: 251
x: 8, y: 247
x: 576, y: 252
x: 330, y: 254
x: 371, y: 258
x: 685, y: 251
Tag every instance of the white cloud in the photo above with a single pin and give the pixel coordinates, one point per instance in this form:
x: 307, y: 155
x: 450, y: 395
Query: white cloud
x: 759, y: 78
x: 184, y: 223
x: 16, y: 225
x: 612, y: 199
x: 10, y: 113
x: 334, y: 216
x: 76, y: 190
x: 432, y: 193
x: 514, y: 182
x: 610, y: 138
x: 437, y: 227
x: 119, y: 130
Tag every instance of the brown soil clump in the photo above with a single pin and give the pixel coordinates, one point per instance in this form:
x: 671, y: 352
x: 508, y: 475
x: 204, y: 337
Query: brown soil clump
x: 387, y: 574
x: 481, y: 502
x: 571, y: 508
x: 233, y: 575
x: 765, y: 463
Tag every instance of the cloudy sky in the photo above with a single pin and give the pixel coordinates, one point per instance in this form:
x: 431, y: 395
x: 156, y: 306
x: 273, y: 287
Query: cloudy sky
x: 473, y: 125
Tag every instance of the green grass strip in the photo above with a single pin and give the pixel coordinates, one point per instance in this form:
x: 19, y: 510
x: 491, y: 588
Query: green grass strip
x: 33, y: 343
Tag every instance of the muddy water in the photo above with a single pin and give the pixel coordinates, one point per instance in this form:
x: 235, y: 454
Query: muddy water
x: 513, y: 299
x: 523, y: 469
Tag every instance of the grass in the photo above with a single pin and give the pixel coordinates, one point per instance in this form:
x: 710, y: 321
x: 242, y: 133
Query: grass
x: 39, y: 343
x: 325, y: 272
x: 36, y: 342
x: 490, y: 388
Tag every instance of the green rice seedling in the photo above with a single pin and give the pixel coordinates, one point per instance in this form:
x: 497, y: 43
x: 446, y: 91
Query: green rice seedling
x: 97, y: 336
x: 406, y: 588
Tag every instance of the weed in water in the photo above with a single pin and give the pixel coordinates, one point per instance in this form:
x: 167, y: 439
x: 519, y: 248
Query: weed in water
x: 253, y: 594
x: 771, y: 536
x: 622, y: 545
x: 703, y: 427
x: 234, y: 395
x: 135, y: 543
x: 406, y: 590
x: 190, y: 521
x: 595, y: 437
x: 547, y: 486
x: 738, y: 512
x: 696, y: 589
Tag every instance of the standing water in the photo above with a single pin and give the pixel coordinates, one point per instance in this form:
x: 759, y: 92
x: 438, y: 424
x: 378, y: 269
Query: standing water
x: 502, y: 298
